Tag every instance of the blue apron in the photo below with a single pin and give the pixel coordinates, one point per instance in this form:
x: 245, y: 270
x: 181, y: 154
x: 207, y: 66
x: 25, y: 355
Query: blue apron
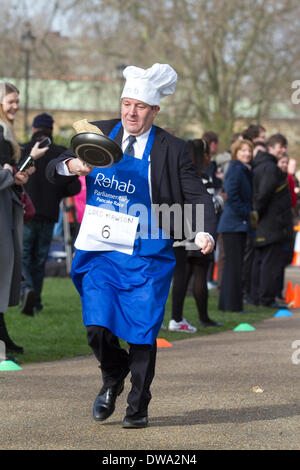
x: 126, y: 293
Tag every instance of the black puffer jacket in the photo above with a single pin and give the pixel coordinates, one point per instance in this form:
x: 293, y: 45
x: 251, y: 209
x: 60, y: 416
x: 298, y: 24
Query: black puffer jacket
x: 272, y: 200
x: 45, y: 195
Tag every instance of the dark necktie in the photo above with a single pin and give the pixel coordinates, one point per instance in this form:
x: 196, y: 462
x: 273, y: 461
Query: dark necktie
x: 130, y: 149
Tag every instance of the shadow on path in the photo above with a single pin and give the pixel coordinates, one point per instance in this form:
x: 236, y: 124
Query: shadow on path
x: 223, y: 416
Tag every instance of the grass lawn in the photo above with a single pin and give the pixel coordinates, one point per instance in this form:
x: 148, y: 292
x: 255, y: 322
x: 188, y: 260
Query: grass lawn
x: 57, y: 332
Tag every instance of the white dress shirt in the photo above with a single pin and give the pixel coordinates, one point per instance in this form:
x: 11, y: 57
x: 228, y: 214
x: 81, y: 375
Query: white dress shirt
x: 139, y: 145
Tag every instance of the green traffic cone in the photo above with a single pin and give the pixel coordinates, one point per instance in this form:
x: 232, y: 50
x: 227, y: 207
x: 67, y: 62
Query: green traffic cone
x: 5, y: 362
x: 9, y: 365
x: 244, y: 327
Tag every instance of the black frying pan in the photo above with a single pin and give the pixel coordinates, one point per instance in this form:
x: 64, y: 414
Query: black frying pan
x: 96, y: 150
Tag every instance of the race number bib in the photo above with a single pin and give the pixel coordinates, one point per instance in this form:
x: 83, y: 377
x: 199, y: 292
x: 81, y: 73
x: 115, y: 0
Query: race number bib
x: 106, y: 230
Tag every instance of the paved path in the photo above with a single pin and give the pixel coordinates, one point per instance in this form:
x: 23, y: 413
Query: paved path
x: 203, y: 397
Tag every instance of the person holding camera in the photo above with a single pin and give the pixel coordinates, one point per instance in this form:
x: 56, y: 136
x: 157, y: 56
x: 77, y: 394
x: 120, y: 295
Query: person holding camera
x: 46, y: 198
x: 11, y: 208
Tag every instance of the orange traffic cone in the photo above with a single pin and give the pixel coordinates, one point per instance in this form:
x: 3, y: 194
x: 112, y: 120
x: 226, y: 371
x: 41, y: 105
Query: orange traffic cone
x: 296, y: 301
x: 163, y: 343
x: 289, y: 293
x: 296, y: 257
x: 297, y: 227
x: 215, y: 272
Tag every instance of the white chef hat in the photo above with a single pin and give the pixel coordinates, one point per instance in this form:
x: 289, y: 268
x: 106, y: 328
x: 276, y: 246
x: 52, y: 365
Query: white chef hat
x: 149, y: 85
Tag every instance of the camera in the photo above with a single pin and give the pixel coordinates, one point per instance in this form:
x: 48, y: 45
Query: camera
x: 29, y: 161
x: 45, y: 142
x: 26, y: 164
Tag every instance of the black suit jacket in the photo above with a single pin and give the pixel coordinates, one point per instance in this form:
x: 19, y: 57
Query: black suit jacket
x: 174, y: 180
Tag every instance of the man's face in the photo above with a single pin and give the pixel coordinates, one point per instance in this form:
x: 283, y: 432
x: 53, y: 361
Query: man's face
x: 137, y: 117
x: 214, y: 146
x: 262, y: 136
x: 278, y: 150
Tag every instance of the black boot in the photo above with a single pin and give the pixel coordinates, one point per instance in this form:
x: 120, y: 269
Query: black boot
x: 4, y: 336
x: 206, y: 321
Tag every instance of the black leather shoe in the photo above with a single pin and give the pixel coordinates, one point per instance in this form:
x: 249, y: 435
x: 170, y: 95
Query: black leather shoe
x: 135, y: 423
x: 104, y: 405
x: 11, y: 347
x: 208, y: 322
x: 28, y: 302
x: 249, y: 300
x: 274, y: 305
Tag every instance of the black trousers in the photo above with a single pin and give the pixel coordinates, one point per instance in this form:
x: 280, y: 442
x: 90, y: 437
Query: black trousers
x: 266, y: 273
x: 286, y: 259
x: 186, y: 268
x: 247, y: 265
x: 179, y: 283
x: 116, y: 363
x: 231, y: 293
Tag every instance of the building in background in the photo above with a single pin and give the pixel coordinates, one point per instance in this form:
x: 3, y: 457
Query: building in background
x: 70, y: 98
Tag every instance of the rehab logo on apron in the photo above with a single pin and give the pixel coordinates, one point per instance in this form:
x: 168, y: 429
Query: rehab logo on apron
x: 107, y: 224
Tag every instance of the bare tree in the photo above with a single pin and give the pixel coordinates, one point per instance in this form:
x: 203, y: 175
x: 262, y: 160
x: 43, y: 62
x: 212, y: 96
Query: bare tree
x: 231, y: 56
x: 49, y: 50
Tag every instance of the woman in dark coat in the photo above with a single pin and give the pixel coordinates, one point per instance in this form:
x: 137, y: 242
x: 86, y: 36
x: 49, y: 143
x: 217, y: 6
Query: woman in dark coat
x: 11, y: 209
x: 234, y: 225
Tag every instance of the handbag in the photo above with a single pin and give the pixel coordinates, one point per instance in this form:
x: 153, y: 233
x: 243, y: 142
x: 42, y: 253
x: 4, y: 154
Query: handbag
x: 28, y: 206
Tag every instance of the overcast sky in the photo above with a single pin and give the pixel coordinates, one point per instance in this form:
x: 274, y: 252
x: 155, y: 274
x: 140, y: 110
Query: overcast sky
x: 41, y: 10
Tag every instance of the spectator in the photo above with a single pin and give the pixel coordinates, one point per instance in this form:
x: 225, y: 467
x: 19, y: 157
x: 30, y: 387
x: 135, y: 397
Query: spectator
x: 190, y: 262
x: 220, y: 171
x: 288, y: 246
x: 211, y: 171
x: 293, y: 182
x: 272, y: 201
x: 38, y: 232
x: 292, y: 166
x: 297, y: 191
x: 297, y: 180
x: 258, y: 147
x: 11, y: 209
x: 255, y: 133
x: 223, y: 159
x: 283, y: 164
x: 234, y: 225
x: 79, y: 201
x: 213, y: 141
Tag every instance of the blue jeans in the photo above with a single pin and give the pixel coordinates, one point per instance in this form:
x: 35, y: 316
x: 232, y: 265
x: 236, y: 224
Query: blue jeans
x: 37, y: 238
